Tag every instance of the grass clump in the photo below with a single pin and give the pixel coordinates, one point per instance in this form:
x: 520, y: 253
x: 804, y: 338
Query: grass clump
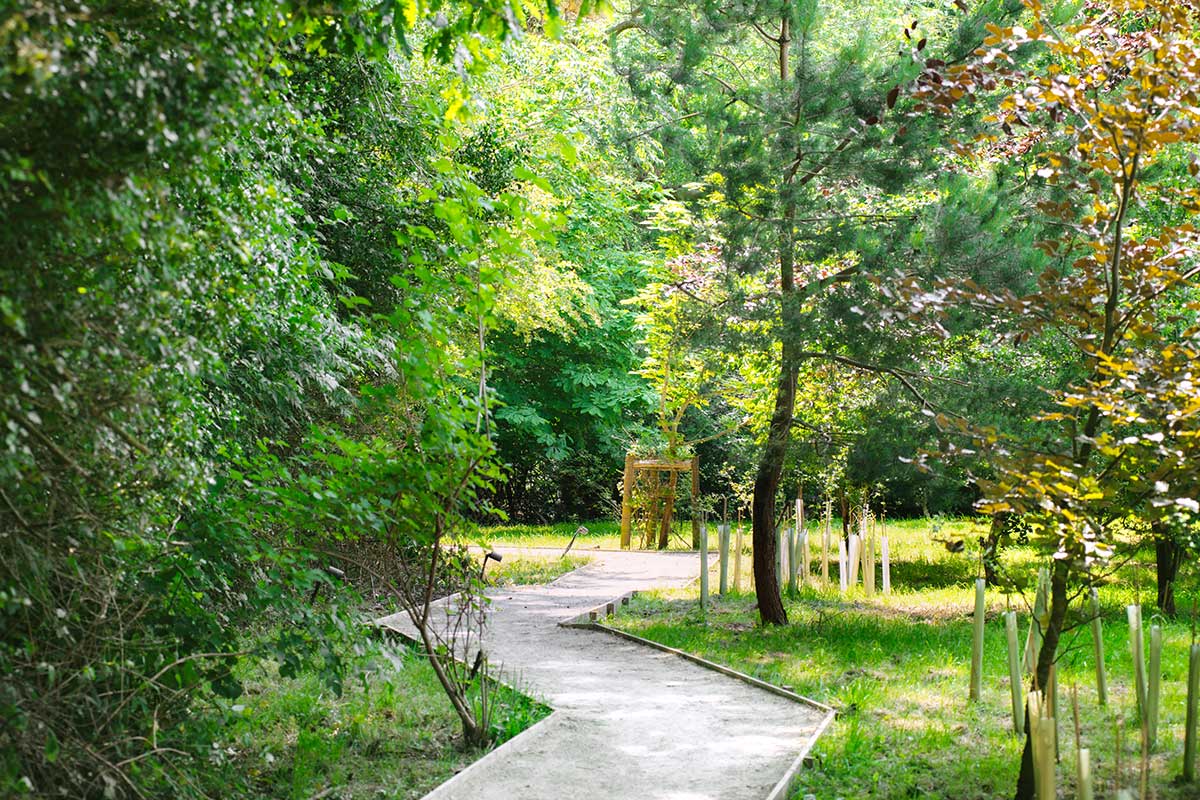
x: 388, y: 733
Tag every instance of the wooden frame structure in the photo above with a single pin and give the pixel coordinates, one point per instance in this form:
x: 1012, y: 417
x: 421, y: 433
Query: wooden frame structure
x: 660, y: 505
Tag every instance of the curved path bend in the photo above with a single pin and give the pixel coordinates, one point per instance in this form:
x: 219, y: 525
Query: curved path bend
x: 630, y: 722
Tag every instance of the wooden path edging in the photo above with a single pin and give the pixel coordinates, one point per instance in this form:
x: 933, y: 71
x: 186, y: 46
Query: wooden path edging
x: 590, y: 620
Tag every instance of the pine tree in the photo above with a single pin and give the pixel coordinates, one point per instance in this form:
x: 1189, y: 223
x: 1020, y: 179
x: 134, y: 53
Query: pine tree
x: 793, y: 111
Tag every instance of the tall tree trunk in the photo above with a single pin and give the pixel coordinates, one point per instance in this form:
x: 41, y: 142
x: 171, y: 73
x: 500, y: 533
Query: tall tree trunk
x: 1168, y: 556
x: 1058, y: 613
x: 770, y: 464
x: 766, y: 485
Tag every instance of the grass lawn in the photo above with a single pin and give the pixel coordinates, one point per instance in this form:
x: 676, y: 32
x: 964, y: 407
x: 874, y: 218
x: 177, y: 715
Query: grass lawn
x: 897, y: 671
x: 601, y: 534
x: 529, y: 570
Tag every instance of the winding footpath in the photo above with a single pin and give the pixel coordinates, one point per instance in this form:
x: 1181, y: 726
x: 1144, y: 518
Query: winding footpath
x: 629, y: 721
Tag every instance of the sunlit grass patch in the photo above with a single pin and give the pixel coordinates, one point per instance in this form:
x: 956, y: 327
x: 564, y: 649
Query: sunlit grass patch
x: 897, y: 670
x: 526, y: 570
x: 602, y: 534
x: 389, y: 733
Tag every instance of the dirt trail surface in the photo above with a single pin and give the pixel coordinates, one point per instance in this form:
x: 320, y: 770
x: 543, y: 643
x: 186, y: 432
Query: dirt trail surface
x: 630, y: 722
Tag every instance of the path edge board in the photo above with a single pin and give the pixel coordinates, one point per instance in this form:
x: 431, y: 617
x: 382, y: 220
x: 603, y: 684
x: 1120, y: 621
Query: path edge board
x: 588, y: 621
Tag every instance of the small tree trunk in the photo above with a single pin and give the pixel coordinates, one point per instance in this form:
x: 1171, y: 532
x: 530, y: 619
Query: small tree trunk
x: 991, y: 546
x: 1041, y: 676
x: 664, y: 532
x: 1168, y: 556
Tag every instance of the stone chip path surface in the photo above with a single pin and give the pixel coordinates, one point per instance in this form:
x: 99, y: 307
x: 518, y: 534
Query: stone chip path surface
x: 629, y: 721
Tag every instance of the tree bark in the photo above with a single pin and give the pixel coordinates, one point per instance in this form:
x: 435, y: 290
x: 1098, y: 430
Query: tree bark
x: 766, y: 485
x: 1041, y: 676
x: 1168, y: 556
x: 991, y: 546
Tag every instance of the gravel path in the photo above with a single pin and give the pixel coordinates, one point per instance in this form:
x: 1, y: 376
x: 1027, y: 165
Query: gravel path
x: 629, y: 721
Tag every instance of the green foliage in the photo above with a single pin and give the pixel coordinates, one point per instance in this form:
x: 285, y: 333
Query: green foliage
x: 245, y: 284
x: 566, y: 343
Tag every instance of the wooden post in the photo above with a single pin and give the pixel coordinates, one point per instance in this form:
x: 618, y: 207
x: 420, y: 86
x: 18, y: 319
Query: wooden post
x: 791, y: 560
x: 664, y: 528
x: 1033, y: 642
x: 1134, y: 615
x: 1098, y: 643
x: 1014, y: 670
x: 1154, y: 685
x: 825, y: 540
x: 855, y: 556
x: 1051, y: 702
x: 723, y: 544
x: 1041, y: 728
x: 737, y: 555
x: 703, y: 564
x: 887, y: 564
x: 843, y: 565
x: 805, y: 557
x: 695, y: 501
x: 869, y: 563
x: 1193, y: 707
x: 977, y: 642
x: 780, y: 554
x: 752, y: 582
x: 654, y: 477
x: 627, y: 501
x: 1085, y: 775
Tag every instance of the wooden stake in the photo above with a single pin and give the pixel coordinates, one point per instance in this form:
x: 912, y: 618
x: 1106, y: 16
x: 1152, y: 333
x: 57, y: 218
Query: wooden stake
x: 977, y: 642
x: 1193, y: 706
x: 703, y: 564
x: 1044, y: 768
x: 696, y: 516
x: 1033, y: 642
x: 1154, y: 685
x: 723, y: 544
x: 825, y: 540
x: 1098, y: 642
x: 869, y: 563
x: 627, y: 501
x: 855, y: 555
x: 1085, y: 775
x: 779, y: 555
x: 1075, y: 716
x: 805, y: 557
x: 1053, y: 704
x: 791, y: 560
x: 1134, y: 615
x: 887, y: 564
x: 737, y: 555
x: 843, y: 565
x: 1119, y: 779
x: 753, y: 583
x: 1014, y: 670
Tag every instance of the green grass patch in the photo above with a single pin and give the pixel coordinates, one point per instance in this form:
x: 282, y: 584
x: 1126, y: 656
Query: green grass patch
x: 602, y: 534
x: 390, y: 732
x: 897, y: 671
x: 525, y: 570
